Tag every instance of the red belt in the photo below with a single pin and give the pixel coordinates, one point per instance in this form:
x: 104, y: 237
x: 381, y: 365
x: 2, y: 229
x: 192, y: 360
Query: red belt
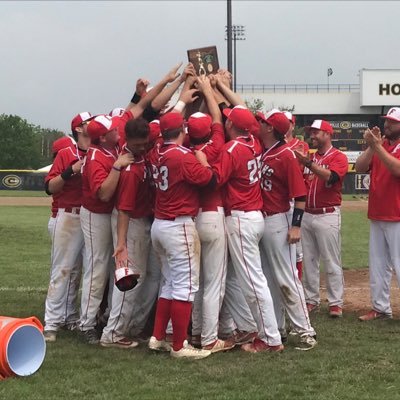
x: 323, y: 210
x: 269, y: 214
x: 174, y: 218
x: 54, y: 214
x: 72, y: 210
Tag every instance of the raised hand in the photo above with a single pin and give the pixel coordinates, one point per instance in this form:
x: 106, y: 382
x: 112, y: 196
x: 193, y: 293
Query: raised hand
x: 141, y: 86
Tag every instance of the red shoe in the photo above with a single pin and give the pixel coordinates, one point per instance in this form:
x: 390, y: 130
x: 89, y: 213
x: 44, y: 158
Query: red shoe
x: 372, y: 315
x: 258, y: 346
x: 243, y: 337
x: 335, y: 311
x: 220, y: 345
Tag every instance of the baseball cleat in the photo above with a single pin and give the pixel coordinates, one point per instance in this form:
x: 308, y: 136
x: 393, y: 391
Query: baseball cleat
x: 307, y: 342
x: 335, y: 311
x: 372, y: 315
x: 187, y: 351
x: 90, y: 336
x: 220, y: 345
x: 195, y: 340
x: 123, y: 343
x: 50, y: 336
x: 244, y: 337
x: 259, y: 346
x: 159, y: 345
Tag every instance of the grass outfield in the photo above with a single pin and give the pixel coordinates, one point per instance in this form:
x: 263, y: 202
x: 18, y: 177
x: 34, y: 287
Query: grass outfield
x: 23, y: 193
x: 352, y: 361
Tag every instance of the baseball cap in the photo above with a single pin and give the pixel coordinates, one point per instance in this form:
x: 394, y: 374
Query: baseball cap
x: 170, y: 121
x: 155, y: 131
x: 276, y: 119
x: 199, y: 125
x: 116, y: 112
x: 393, y: 114
x: 62, y: 143
x: 79, y: 119
x: 125, y: 279
x: 241, y: 117
x: 101, y: 125
x: 321, y: 125
x: 290, y: 117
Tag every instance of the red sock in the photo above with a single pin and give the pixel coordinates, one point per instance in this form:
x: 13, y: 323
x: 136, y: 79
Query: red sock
x: 299, y: 266
x: 163, y: 315
x: 180, y: 316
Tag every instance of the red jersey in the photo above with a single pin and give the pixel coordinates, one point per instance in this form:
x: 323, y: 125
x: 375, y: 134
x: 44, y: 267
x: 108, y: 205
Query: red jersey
x: 281, y: 179
x: 99, y: 162
x: 384, y: 188
x: 238, y: 168
x: 210, y: 199
x: 320, y: 193
x: 54, y: 204
x: 134, y: 194
x: 124, y: 118
x: 177, y: 173
x: 71, y: 195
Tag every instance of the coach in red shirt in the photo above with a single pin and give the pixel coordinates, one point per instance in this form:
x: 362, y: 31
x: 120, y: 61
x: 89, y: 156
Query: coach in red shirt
x: 382, y: 160
x: 322, y: 219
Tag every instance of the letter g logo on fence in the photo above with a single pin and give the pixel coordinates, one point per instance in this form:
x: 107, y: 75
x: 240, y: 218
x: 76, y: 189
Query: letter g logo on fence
x: 11, y: 181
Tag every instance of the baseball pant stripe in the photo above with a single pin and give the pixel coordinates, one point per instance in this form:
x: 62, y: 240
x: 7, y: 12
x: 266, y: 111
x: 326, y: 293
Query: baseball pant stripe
x: 190, y: 264
x: 251, y: 281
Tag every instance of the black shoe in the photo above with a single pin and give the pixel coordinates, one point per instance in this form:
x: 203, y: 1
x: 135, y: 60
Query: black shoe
x: 91, y: 336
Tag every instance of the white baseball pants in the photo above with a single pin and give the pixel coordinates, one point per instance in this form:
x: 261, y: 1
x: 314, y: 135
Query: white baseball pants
x: 208, y: 300
x: 279, y: 264
x: 138, y: 245
x: 245, y: 230
x: 178, y: 246
x: 99, y: 263
x: 322, y: 242
x: 384, y: 258
x: 67, y: 246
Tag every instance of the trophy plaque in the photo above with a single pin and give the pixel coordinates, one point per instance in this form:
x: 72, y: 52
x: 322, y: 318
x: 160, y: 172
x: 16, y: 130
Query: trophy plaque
x: 205, y: 60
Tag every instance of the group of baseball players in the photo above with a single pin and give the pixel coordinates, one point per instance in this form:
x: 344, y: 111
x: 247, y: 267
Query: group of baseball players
x: 200, y: 206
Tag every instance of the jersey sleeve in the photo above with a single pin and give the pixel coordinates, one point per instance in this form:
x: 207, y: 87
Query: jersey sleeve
x: 212, y: 150
x: 57, y: 168
x: 339, y: 164
x: 223, y: 167
x: 194, y: 172
x: 97, y: 174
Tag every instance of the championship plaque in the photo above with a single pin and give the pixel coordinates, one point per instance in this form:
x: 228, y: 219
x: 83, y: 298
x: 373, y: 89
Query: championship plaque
x: 205, y: 60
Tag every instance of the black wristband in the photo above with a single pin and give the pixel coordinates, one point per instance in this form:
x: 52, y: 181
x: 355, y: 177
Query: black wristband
x: 297, y: 217
x: 135, y: 99
x: 67, y: 174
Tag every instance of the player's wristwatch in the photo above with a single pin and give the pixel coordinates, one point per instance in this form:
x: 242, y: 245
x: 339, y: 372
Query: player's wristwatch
x: 308, y: 163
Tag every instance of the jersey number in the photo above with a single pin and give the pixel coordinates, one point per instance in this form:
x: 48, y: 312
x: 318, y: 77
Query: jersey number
x: 253, y: 167
x: 161, y: 177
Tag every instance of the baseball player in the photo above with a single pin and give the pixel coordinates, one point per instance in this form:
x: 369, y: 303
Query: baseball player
x: 64, y: 180
x: 294, y: 143
x: 281, y: 181
x: 100, y: 178
x: 382, y: 160
x: 133, y: 232
x: 207, y: 134
x: 322, y: 219
x: 177, y: 174
x: 238, y: 170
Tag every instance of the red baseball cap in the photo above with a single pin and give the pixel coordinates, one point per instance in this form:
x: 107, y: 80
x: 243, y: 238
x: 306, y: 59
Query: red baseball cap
x: 62, y: 143
x: 199, y: 125
x: 116, y: 112
x: 241, y: 117
x: 79, y: 119
x: 155, y: 130
x: 170, y: 121
x: 393, y: 114
x: 320, y: 125
x: 276, y: 119
x: 101, y: 125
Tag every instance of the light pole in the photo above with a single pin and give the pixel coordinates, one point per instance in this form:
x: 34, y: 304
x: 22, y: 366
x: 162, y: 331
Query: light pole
x: 237, y: 33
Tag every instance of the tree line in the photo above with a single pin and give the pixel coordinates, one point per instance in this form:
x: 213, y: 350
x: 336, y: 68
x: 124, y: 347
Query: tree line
x: 24, y: 145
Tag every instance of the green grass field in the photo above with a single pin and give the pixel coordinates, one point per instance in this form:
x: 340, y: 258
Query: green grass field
x: 352, y: 361
x: 23, y: 193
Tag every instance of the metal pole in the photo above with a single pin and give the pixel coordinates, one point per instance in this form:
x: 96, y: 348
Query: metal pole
x: 234, y: 61
x: 229, y: 34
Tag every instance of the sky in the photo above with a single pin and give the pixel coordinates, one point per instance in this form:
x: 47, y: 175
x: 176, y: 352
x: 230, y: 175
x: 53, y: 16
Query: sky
x: 59, y: 58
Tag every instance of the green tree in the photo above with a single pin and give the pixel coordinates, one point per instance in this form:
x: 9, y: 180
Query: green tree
x: 254, y: 105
